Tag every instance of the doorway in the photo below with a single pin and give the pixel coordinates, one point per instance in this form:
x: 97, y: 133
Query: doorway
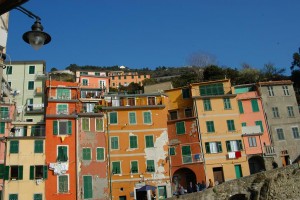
x: 218, y: 174
x: 238, y: 171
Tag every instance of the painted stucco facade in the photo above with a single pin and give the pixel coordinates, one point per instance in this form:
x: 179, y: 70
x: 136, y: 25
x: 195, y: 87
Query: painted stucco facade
x: 125, y: 78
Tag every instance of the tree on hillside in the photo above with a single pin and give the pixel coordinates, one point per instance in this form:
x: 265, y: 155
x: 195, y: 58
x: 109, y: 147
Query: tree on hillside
x: 53, y: 69
x: 213, y: 72
x: 248, y: 75
x: 200, y: 59
x: 271, y: 73
x: 184, y: 79
x: 296, y: 60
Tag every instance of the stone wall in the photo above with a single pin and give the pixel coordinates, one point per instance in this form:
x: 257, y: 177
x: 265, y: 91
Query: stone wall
x: 277, y: 184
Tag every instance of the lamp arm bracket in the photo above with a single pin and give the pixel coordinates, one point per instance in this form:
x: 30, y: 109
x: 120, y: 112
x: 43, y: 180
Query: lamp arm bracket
x: 28, y: 13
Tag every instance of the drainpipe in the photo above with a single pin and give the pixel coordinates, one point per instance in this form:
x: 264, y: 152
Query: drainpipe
x: 108, y: 157
x: 77, y: 160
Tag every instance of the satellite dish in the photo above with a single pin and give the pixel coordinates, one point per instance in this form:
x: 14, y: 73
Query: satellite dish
x: 122, y: 67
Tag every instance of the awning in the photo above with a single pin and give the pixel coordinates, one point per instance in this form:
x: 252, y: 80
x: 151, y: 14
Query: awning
x: 145, y: 188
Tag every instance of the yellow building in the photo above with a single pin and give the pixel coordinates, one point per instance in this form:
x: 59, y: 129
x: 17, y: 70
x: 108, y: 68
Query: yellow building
x: 138, y: 146
x: 220, y: 130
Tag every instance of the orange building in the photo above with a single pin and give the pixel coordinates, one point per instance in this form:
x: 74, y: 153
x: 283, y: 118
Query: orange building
x: 61, y: 113
x: 255, y: 133
x: 186, y: 157
x: 92, y: 80
x: 138, y: 146
x: 118, y: 78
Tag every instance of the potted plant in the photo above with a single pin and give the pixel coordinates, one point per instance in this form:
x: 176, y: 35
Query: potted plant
x: 97, y: 108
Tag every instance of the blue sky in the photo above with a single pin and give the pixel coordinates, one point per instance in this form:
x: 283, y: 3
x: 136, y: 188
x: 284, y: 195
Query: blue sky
x: 152, y: 33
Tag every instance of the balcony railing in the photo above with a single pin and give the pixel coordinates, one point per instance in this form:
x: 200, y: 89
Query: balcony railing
x: 269, y: 150
x: 35, y: 108
x: 64, y: 97
x: 138, y: 101
x: 39, y: 91
x: 62, y: 112
x: 192, y: 158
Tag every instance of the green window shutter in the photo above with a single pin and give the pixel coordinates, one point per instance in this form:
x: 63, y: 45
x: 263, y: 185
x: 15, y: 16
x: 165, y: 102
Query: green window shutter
x: 186, y: 154
x: 69, y: 128
x: 210, y: 126
x: 37, y: 197
x: 259, y: 123
x: 116, y: 167
x: 240, y: 145
x: 185, y: 93
x: 2, y: 171
x: 254, y: 105
x: 180, y: 128
x: 230, y: 125
x: 30, y: 85
x: 20, y: 172
x: 149, y: 141
x: 133, y: 141
x: 240, y: 104
x: 85, y: 124
x: 14, y: 147
x: 63, y: 184
x: 219, y: 146
x: 132, y: 118
x: 134, y: 167
x: 113, y: 118
x: 114, y: 142
x: 228, y: 146
x: 31, y: 69
x: 86, y: 154
x: 45, y: 172
x: 31, y: 172
x: 6, y: 173
x: 99, y: 124
x: 2, y: 127
x: 13, y: 197
x: 207, y: 148
x: 100, y: 153
x: 172, y: 151
x: 87, y: 187
x: 150, y: 166
x: 38, y: 146
x: 147, y: 118
x: 62, y: 154
x: 55, y: 128
x: 227, y: 104
x: 244, y: 124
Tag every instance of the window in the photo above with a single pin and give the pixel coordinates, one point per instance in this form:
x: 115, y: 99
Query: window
x: 290, y: 110
x: 213, y: 89
x: 100, y: 153
x: 240, y: 104
x: 150, y: 166
x: 252, y: 141
x: 2, y: 127
x: 38, y: 197
x: 86, y: 154
x: 259, y: 123
x: 62, y: 109
x: 2, y: 170
x: 254, y: 105
x: 180, y: 128
x: 9, y: 83
x: 4, y: 112
x: 14, y: 172
x: 63, y: 93
x: 213, y: 147
x: 149, y: 141
x: 114, y: 142
x: 132, y: 117
x: 97, y: 73
x: 285, y: 90
x: 113, y: 78
x: 280, y: 133
x: 38, y: 146
x: 38, y: 172
x: 87, y: 187
x: 295, y: 132
x: 84, y: 73
x: 62, y: 153
x: 230, y: 125
x: 13, y: 197
x: 172, y: 151
x: 133, y: 141
x: 116, y: 167
x: 102, y: 84
x: 85, y: 82
x: 99, y: 124
x: 147, y: 118
x: 234, y: 145
x: 210, y: 126
x: 8, y: 69
x: 227, y: 104
x: 63, y: 184
x: 186, y: 154
x: 119, y: 77
x: 85, y: 124
x: 134, y: 167
x: 188, y: 112
x: 275, y: 112
x: 186, y: 93
x: 270, y: 91
x: 31, y: 69
x: 131, y: 101
x: 173, y: 115
x: 30, y: 85
x: 244, y: 124
x: 207, y: 105
x: 151, y: 100
x: 14, y: 147
x: 113, y: 118
x: 62, y: 127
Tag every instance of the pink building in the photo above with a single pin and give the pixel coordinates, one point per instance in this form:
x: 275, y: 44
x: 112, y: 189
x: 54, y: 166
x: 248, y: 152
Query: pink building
x: 255, y: 133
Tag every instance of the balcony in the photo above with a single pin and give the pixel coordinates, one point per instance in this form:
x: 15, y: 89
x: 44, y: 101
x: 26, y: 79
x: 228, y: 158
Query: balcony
x: 53, y: 112
x: 25, y: 131
x: 40, y: 76
x: 251, y: 130
x: 192, y: 158
x: 35, y: 108
x: 269, y: 150
x: 92, y: 94
x: 63, y: 98
x: 39, y: 91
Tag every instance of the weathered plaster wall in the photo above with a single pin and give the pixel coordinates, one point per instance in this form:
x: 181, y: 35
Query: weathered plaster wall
x: 277, y: 184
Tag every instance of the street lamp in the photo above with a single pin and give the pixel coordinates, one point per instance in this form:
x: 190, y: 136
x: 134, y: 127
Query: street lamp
x: 36, y: 37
